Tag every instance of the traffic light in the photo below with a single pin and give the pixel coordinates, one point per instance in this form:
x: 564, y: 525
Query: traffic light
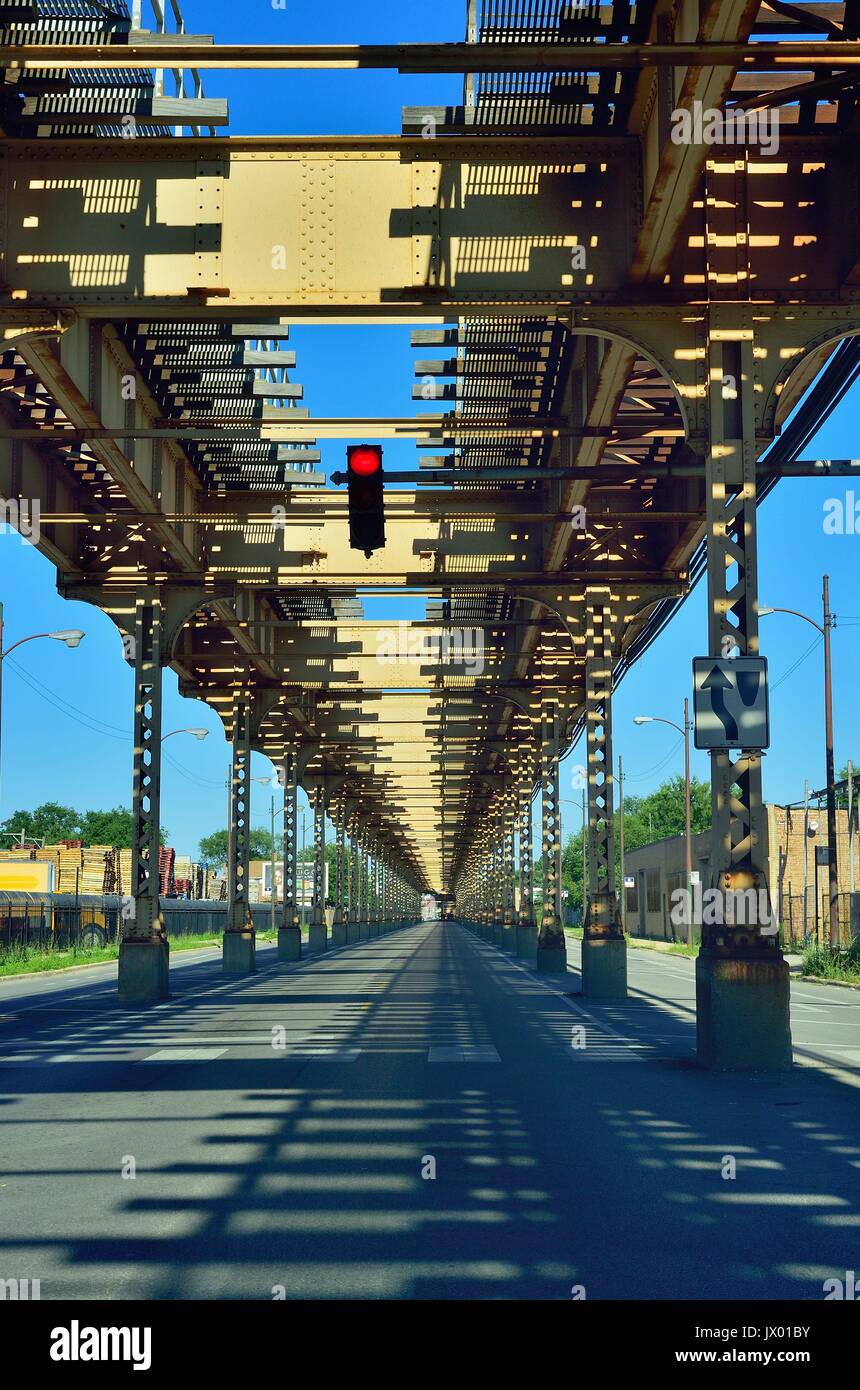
x: 366, y: 503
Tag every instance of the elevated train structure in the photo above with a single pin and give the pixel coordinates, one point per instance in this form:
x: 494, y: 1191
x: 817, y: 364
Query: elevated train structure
x: 612, y: 326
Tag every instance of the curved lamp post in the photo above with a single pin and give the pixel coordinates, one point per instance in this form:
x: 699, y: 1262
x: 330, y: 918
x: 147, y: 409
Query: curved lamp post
x: 72, y: 636
x: 685, y: 734
x: 824, y: 627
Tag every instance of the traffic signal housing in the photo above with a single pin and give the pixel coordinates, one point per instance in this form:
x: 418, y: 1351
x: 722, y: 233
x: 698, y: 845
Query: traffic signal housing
x: 366, y: 501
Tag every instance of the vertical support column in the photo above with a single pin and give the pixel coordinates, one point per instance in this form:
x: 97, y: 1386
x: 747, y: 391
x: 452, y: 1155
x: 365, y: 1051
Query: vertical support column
x: 385, y: 913
x: 509, y: 820
x: 551, y: 949
x: 527, y: 935
x: 372, y: 923
x: 289, y: 932
x: 604, y: 948
x: 363, y: 878
x: 318, y: 932
x: 486, y: 873
x: 239, y: 948
x: 498, y: 875
x: 742, y: 982
x: 338, y: 931
x: 354, y: 917
x: 143, y: 947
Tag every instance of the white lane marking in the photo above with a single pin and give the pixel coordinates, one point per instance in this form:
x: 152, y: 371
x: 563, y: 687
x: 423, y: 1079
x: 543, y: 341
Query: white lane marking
x: 633, y: 1048
x: 324, y: 1054
x: 186, y: 1054
x: 463, y: 1054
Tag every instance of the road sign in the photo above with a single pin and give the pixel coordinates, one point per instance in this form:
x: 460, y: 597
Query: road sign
x: 730, y: 702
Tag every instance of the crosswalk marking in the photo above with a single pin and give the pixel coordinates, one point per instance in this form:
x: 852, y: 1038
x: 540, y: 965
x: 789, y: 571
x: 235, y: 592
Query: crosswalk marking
x: 463, y: 1054
x: 186, y: 1054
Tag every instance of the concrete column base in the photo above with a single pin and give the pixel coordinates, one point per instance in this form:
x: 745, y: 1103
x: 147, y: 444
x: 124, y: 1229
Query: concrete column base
x: 364, y: 931
x: 509, y: 937
x: 289, y: 943
x: 317, y: 936
x: 240, y: 953
x: 373, y: 929
x: 338, y: 934
x: 604, y: 967
x: 551, y: 960
x: 498, y: 933
x: 143, y: 969
x: 742, y: 1014
x: 527, y: 941
x: 353, y: 933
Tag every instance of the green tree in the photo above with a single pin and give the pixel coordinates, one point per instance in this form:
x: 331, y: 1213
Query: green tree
x: 108, y: 828
x: 661, y: 814
x: 842, y: 797
x: 213, y: 848
x: 49, y: 823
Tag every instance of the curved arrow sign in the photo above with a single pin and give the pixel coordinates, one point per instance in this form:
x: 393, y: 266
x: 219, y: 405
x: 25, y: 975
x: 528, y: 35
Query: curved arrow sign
x: 730, y: 702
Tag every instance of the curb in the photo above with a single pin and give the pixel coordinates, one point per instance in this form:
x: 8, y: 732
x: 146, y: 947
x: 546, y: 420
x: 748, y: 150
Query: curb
x: 838, y: 984
x: 90, y: 965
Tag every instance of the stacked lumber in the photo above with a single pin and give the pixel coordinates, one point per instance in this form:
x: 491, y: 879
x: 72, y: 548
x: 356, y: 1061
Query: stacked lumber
x: 182, y: 866
x: 123, y: 878
x: 96, y: 869
x: 70, y: 870
x: 166, y: 861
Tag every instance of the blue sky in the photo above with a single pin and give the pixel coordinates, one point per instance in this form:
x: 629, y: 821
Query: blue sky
x: 66, y: 737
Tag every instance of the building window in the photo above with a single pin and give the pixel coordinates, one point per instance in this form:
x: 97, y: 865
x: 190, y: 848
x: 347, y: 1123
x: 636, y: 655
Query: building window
x: 674, y: 882
x: 653, y: 890
x: 631, y: 899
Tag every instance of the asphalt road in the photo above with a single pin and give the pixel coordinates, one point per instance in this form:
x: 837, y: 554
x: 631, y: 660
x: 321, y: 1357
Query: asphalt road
x: 416, y: 1117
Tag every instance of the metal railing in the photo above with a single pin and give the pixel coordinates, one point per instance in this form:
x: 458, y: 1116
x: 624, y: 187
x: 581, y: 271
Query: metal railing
x: 179, y: 74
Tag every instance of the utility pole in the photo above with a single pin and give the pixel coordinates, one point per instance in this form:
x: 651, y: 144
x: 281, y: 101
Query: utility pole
x: 805, y: 856
x: 274, y: 893
x: 229, y: 823
x: 851, y: 825
x: 584, y: 861
x: 832, y: 862
x: 623, y: 896
x: 688, y: 822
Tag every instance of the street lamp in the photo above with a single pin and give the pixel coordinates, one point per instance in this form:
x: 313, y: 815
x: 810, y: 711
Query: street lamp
x: 72, y: 636
x: 198, y: 733
x: 688, y: 835
x: 824, y: 627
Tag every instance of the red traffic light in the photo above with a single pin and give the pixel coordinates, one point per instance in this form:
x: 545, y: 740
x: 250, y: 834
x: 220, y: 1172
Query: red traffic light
x: 364, y: 459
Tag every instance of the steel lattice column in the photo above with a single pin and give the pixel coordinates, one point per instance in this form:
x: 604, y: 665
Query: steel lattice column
x: 353, y: 893
x: 604, y: 949
x: 551, y: 951
x: 509, y: 821
x: 318, y: 931
x: 340, y: 918
x: 742, y: 988
x: 498, y: 833
x: 289, y: 933
x: 386, y: 890
x: 143, y: 950
x: 526, y: 926
x: 363, y: 888
x: 372, y: 924
x: 239, y: 937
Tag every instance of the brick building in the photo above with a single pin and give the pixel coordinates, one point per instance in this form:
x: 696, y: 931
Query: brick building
x: 659, y: 868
